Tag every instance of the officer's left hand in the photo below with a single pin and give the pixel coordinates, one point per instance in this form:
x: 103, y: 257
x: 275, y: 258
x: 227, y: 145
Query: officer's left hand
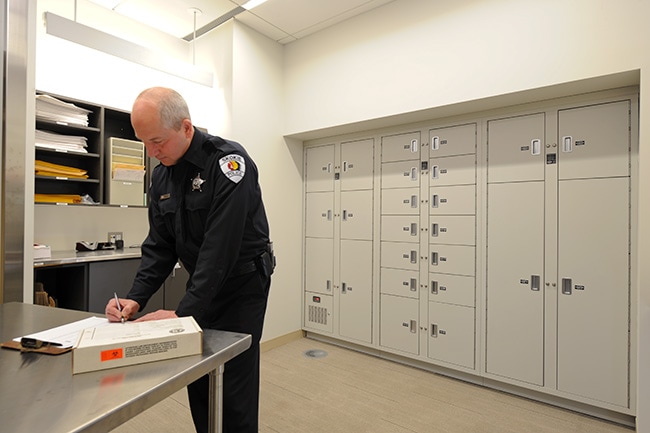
x: 157, y: 315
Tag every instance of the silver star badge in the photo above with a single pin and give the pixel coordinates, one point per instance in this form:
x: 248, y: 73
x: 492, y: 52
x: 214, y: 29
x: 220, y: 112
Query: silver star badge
x: 197, y: 182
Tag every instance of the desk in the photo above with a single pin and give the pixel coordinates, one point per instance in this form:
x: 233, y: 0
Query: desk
x: 38, y: 393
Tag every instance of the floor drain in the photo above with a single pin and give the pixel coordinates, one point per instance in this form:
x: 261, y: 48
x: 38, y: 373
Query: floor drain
x: 315, y: 353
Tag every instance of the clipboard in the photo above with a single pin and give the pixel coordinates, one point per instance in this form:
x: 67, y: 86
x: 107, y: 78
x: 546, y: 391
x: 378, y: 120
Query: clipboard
x: 47, y: 349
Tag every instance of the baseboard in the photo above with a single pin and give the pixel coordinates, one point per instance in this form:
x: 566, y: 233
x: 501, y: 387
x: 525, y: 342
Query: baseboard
x: 281, y: 340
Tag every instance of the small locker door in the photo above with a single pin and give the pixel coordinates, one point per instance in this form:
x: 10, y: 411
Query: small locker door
x: 400, y: 228
x: 400, y: 147
x: 594, y: 141
x: 357, y: 164
x: 402, y: 174
x: 451, y: 334
x: 593, y: 303
x: 356, y: 214
x: 399, y: 324
x: 456, y: 200
x: 515, y: 148
x: 515, y: 299
x: 452, y: 259
x: 455, y: 230
x: 355, y: 301
x: 319, y: 168
x: 400, y: 201
x: 400, y: 255
x: 455, y: 140
x: 452, y: 289
x: 319, y: 214
x: 399, y: 282
x: 453, y: 170
x: 319, y: 265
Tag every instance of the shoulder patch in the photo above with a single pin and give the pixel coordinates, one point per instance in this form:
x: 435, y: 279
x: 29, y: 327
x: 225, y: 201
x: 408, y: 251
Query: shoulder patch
x: 233, y: 166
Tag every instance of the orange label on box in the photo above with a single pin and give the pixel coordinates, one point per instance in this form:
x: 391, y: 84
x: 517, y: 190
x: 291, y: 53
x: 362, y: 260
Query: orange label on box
x: 112, y: 354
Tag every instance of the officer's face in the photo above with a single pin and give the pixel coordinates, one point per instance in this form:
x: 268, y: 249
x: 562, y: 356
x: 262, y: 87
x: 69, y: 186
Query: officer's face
x: 165, y: 144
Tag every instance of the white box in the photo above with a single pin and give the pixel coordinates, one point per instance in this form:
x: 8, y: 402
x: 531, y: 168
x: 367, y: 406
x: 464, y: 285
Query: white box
x: 118, y: 345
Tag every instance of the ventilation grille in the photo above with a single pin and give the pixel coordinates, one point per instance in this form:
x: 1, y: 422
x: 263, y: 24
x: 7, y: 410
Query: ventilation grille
x: 317, y: 315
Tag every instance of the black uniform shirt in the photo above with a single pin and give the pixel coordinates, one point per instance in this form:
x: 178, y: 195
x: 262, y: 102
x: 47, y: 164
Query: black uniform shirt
x: 207, y: 211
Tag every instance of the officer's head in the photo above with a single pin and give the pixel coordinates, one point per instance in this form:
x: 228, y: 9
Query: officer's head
x: 161, y: 119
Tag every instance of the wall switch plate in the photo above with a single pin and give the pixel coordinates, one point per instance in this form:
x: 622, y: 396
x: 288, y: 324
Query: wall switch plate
x: 114, y: 236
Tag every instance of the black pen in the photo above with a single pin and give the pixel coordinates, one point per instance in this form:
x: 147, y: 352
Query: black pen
x: 119, y: 307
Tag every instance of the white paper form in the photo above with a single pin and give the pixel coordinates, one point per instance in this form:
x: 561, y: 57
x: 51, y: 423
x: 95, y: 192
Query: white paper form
x: 67, y: 335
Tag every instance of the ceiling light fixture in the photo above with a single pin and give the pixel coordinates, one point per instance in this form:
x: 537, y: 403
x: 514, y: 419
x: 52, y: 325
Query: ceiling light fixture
x: 252, y: 3
x: 223, y: 18
x: 195, y: 12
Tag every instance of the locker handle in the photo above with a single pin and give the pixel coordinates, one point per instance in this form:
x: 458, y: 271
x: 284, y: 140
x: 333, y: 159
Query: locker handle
x: 434, y: 200
x: 414, y: 145
x: 344, y: 288
x: 534, y: 283
x: 434, y: 259
x: 414, y: 173
x: 414, y: 201
x: 434, y: 330
x: 329, y: 167
x: 435, y: 171
x: 414, y: 229
x: 414, y: 285
x: 536, y: 146
x: 435, y: 143
x: 329, y: 214
x: 328, y: 285
x: 434, y: 287
x: 345, y: 215
x: 566, y: 286
x: 434, y: 230
x: 414, y: 256
x: 414, y: 327
x: 567, y: 144
x: 345, y: 166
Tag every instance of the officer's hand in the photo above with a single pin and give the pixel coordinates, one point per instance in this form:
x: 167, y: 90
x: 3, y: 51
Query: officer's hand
x: 129, y: 308
x: 157, y: 315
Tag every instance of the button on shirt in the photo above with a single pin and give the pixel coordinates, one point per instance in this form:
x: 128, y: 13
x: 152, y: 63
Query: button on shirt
x: 207, y: 211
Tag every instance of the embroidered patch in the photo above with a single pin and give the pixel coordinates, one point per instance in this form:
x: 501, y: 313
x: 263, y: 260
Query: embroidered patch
x: 233, y: 166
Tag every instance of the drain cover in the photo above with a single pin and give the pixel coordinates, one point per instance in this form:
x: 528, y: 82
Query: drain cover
x: 315, y: 353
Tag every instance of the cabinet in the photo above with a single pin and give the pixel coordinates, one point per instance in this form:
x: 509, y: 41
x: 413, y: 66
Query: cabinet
x: 103, y: 123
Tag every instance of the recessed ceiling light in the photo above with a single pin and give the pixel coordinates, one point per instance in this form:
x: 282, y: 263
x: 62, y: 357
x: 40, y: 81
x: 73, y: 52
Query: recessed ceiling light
x: 252, y: 3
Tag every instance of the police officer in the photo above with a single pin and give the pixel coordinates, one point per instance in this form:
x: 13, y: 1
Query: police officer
x: 206, y: 209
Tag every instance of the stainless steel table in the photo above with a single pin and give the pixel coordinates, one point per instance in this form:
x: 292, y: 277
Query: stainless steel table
x: 38, y: 392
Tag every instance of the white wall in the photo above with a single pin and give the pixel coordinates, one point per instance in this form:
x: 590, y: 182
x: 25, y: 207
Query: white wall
x: 421, y: 57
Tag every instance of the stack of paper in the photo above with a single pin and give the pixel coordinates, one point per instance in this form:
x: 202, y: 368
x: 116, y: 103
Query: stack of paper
x: 57, y: 198
x: 54, y: 110
x: 44, y: 168
x: 61, y: 143
x: 42, y: 251
x: 128, y: 172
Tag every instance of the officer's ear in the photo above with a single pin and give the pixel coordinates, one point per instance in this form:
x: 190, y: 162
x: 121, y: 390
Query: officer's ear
x: 187, y: 128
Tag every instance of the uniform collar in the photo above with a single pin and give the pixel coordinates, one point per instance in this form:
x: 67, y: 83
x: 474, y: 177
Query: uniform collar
x: 195, y: 154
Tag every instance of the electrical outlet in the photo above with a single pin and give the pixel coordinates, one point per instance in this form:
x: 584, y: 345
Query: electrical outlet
x: 114, y: 236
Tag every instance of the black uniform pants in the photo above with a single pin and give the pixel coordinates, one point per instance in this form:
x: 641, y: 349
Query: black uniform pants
x: 241, y: 309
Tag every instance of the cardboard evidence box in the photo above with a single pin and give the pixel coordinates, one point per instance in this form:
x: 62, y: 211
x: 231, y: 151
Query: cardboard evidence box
x: 121, y: 344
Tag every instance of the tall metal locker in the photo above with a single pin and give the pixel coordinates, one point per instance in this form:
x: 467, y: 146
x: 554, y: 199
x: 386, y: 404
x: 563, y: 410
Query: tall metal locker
x: 355, y: 300
x: 400, y: 242
x: 451, y: 229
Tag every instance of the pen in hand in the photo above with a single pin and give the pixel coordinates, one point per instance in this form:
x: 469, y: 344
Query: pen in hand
x: 119, y: 307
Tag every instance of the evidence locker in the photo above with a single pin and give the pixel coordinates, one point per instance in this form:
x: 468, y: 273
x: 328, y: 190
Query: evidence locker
x: 319, y: 168
x: 357, y: 163
x: 451, y: 334
x: 319, y: 214
x: 400, y: 201
x: 457, y: 200
x: 399, y: 323
x: 319, y: 265
x: 452, y: 140
x: 453, y: 170
x: 400, y: 282
x: 356, y: 214
x: 355, y: 288
x: 452, y: 289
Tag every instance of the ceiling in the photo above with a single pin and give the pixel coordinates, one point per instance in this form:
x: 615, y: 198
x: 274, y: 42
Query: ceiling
x: 283, y: 21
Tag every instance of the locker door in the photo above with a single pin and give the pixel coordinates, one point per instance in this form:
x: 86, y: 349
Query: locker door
x: 452, y: 259
x: 357, y: 164
x: 356, y: 214
x: 593, y: 318
x: 453, y: 170
x: 594, y: 141
x: 400, y: 147
x: 355, y: 302
x: 399, y: 323
x: 319, y: 168
x: 400, y: 228
x: 451, y: 334
x: 319, y: 214
x: 456, y: 200
x: 403, y: 201
x: 455, y: 230
x: 402, y: 174
x: 452, y: 289
x: 515, y: 148
x: 400, y: 255
x: 319, y: 265
x: 455, y: 140
x: 515, y: 300
x: 399, y: 282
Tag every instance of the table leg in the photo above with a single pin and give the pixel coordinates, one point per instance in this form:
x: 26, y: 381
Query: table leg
x: 216, y: 394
